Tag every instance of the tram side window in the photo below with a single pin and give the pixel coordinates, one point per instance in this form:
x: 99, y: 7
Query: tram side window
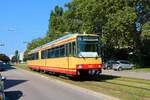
x: 44, y: 54
x: 73, y: 49
x: 50, y: 53
x: 29, y: 57
x: 33, y: 56
x: 57, y: 52
x: 70, y: 49
x: 62, y: 51
x: 66, y: 49
x: 36, y: 56
x: 53, y: 52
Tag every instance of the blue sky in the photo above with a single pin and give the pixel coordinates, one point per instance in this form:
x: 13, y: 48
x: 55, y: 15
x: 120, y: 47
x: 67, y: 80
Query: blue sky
x: 23, y: 20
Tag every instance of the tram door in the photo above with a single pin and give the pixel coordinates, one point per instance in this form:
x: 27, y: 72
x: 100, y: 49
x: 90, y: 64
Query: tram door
x: 70, y: 52
x: 42, y: 60
x: 67, y: 56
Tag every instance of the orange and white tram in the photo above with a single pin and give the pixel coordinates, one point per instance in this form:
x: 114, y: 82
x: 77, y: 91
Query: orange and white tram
x: 72, y: 54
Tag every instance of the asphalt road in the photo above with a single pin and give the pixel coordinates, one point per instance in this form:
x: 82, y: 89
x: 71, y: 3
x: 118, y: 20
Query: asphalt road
x: 24, y: 85
x: 128, y: 73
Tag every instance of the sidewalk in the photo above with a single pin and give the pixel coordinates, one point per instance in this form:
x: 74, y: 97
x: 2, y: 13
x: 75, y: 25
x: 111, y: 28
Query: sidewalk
x: 128, y: 73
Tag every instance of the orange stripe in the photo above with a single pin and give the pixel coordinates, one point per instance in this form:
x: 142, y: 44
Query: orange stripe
x: 54, y: 69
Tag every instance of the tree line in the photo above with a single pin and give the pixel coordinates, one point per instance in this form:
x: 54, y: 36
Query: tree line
x: 113, y: 20
x: 4, y: 58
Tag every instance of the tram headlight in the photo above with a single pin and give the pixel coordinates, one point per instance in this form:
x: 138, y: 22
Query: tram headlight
x: 79, y: 67
x: 99, y: 66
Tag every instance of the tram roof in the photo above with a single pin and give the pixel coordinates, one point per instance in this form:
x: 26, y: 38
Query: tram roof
x: 57, y: 40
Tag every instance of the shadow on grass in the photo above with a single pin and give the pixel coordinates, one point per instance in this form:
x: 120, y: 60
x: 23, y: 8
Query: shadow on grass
x: 99, y: 78
x: 107, y: 77
x: 13, y: 95
x: 11, y: 82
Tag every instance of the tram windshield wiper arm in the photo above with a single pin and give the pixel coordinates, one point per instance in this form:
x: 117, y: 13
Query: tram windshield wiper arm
x: 81, y: 55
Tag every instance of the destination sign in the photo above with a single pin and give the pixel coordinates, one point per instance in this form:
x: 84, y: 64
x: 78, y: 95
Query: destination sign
x: 87, y: 38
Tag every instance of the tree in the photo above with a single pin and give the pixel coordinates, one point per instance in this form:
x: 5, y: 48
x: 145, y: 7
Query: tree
x: 16, y: 57
x: 33, y: 44
x: 55, y: 26
x: 146, y: 30
x: 142, y: 9
x: 118, y: 29
x: 13, y: 59
x: 145, y: 39
x: 113, y: 20
x: 4, y: 58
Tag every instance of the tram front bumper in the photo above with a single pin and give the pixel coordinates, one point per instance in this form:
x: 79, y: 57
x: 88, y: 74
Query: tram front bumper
x: 88, y: 66
x: 90, y: 69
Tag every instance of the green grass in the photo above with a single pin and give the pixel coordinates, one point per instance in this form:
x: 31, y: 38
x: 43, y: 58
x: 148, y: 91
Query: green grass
x: 120, y: 87
x: 142, y: 69
x: 23, y: 66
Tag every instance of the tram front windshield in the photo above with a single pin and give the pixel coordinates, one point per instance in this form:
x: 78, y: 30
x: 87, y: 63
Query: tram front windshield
x: 88, y: 48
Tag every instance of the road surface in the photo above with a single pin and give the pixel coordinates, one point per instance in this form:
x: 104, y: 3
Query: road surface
x: 24, y: 85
